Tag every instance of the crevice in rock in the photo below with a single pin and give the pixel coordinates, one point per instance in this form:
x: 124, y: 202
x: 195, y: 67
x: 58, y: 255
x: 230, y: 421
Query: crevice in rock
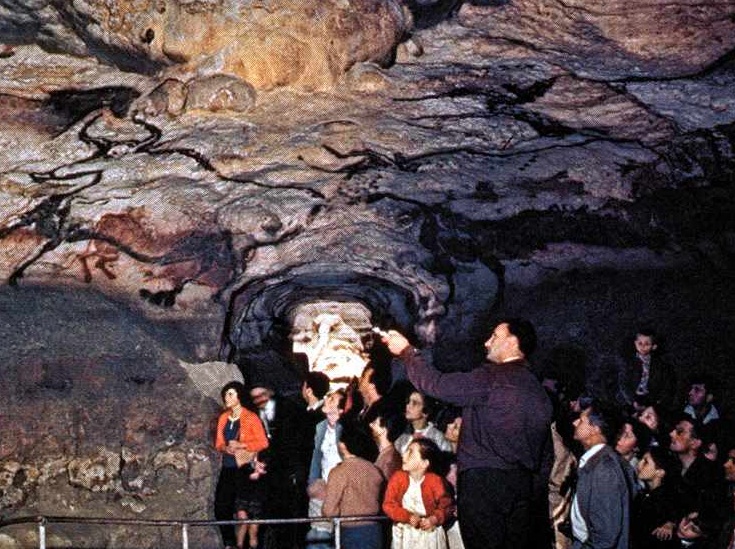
x: 73, y: 105
x: 115, y: 55
x: 370, y: 160
x: 725, y: 60
x: 427, y: 14
x: 664, y: 220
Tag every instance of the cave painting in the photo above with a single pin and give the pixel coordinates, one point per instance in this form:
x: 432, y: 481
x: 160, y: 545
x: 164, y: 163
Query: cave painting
x: 104, y: 252
x: 331, y: 346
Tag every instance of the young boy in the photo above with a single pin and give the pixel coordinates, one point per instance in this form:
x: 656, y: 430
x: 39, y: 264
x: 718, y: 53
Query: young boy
x: 645, y: 378
x: 354, y: 487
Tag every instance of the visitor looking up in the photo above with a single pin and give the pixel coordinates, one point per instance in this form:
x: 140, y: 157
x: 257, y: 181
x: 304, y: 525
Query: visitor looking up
x: 505, y: 426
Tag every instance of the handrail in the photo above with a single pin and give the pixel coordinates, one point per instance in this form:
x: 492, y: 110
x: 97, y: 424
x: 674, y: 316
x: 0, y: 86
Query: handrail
x: 43, y: 521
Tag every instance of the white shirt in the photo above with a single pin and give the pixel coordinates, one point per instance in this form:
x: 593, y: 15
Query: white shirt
x: 267, y: 414
x: 711, y: 415
x: 412, y: 499
x: 579, y: 526
x: 330, y: 453
x: 430, y: 432
x: 315, y: 406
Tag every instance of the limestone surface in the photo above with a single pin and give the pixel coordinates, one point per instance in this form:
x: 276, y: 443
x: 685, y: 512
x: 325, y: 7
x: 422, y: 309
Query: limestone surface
x: 267, y: 43
x: 183, y: 194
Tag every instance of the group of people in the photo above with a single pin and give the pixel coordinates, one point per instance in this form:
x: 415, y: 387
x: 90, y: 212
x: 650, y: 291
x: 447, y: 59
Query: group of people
x: 494, y: 457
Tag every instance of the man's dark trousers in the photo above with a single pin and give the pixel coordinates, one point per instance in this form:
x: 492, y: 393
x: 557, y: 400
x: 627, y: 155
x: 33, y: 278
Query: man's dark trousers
x: 494, y: 508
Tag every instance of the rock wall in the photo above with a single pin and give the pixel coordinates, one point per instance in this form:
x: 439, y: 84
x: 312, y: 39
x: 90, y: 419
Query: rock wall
x: 99, y: 420
x: 513, y: 158
x: 266, y: 43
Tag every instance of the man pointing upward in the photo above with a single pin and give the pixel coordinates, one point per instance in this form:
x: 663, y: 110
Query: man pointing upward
x: 505, y: 425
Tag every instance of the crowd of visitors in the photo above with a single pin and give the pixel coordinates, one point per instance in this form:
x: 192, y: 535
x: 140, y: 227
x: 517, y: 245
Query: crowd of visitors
x: 494, y: 457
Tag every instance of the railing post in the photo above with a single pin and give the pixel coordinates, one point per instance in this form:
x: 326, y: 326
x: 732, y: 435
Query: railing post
x: 185, y: 536
x: 44, y: 521
x: 42, y: 533
x: 337, y: 533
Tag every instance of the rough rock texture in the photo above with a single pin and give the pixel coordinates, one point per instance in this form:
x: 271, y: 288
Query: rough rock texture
x: 99, y: 420
x: 571, y: 162
x: 267, y: 43
x: 612, y: 40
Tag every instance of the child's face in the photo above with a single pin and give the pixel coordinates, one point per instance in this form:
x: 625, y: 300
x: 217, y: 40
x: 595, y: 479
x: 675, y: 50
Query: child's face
x: 627, y: 440
x: 646, y: 467
x: 331, y: 403
x: 644, y: 345
x: 649, y: 418
x: 412, y: 460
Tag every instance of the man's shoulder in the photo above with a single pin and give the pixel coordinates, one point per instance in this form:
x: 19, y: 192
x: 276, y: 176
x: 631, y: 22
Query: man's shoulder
x: 604, y: 456
x: 609, y: 463
x: 357, y: 468
x: 703, y: 470
x: 519, y: 374
x: 518, y: 368
x: 362, y: 463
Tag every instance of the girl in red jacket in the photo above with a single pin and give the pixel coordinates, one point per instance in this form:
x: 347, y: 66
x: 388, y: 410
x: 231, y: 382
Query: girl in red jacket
x: 417, y: 499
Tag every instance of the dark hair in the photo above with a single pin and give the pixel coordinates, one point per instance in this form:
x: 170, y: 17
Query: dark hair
x: 391, y: 424
x: 700, y: 378
x: 524, y: 332
x: 261, y: 384
x: 431, y: 453
x: 664, y: 420
x: 242, y: 393
x: 697, y: 430
x: 429, y: 406
x: 318, y: 382
x: 342, y: 398
x: 607, y: 417
x: 647, y: 331
x: 709, y: 433
x: 664, y: 460
x: 643, y: 434
x: 381, y: 378
x: 447, y: 415
x: 707, y: 521
x: 358, y: 441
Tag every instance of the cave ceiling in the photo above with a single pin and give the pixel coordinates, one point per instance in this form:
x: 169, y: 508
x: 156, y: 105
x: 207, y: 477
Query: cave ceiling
x: 237, y: 160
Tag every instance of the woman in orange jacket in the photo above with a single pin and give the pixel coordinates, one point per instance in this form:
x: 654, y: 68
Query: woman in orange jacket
x: 239, y: 437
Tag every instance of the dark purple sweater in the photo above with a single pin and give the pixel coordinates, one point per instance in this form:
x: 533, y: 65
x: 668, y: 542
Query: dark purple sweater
x: 506, y: 414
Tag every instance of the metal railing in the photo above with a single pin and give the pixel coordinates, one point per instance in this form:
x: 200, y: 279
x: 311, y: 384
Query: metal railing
x: 44, y: 521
